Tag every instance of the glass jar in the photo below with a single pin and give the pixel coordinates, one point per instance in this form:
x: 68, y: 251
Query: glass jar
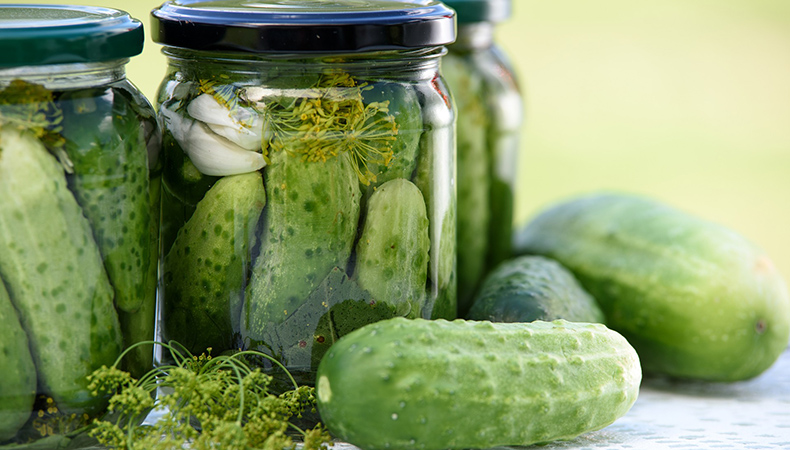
x: 308, y: 183
x: 78, y: 232
x: 489, y: 105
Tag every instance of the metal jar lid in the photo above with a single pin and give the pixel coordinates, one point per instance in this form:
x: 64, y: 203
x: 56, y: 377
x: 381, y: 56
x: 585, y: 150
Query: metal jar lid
x: 57, y: 34
x: 303, y: 26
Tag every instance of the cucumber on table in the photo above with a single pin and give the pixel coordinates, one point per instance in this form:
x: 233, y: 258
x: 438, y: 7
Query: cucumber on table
x: 695, y: 299
x: 530, y: 288
x: 17, y: 372
x: 434, y: 384
x: 54, y: 273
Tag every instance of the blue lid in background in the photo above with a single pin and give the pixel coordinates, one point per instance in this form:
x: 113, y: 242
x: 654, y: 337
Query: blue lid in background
x: 470, y: 11
x: 303, y: 26
x: 57, y: 34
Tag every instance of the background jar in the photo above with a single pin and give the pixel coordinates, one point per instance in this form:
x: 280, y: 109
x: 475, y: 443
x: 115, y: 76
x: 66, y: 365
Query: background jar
x: 78, y: 233
x: 308, y: 184
x: 490, y: 112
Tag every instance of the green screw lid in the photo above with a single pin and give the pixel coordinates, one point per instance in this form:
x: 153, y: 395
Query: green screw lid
x: 33, y: 35
x: 470, y: 11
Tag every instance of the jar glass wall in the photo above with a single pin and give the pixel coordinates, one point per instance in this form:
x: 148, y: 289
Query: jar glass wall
x: 305, y: 194
x: 489, y: 102
x: 78, y: 217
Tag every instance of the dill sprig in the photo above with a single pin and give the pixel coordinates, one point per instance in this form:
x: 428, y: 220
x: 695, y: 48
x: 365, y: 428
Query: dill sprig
x: 31, y: 107
x: 206, y: 402
x: 332, y: 118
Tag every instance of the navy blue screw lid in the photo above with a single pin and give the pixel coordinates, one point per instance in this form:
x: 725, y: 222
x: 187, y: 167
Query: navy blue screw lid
x: 303, y: 26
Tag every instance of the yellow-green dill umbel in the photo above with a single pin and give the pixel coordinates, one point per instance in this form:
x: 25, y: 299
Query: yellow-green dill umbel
x: 206, y: 401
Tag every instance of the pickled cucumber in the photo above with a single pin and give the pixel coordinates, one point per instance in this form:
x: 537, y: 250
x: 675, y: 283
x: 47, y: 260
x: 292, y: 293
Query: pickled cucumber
x: 205, y: 271
x: 309, y: 228
x: 404, y: 109
x: 111, y: 183
x: 54, y: 273
x: 435, y: 176
x: 18, y: 382
x: 392, y: 253
x: 474, y: 181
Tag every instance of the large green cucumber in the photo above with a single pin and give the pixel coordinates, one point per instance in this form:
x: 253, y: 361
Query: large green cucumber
x: 529, y: 288
x: 434, y: 384
x: 111, y: 183
x: 696, y: 299
x: 392, y: 252
x: 205, y: 271
x: 17, y: 372
x: 54, y: 273
x: 310, y: 223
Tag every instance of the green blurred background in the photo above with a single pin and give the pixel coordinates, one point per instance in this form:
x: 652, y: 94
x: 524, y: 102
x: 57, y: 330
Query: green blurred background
x: 687, y: 101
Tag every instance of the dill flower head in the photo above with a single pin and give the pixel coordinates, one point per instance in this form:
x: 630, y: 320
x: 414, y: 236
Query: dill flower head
x: 331, y: 118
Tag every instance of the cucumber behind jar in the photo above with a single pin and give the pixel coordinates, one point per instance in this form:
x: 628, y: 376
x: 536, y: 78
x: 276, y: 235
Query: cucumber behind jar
x: 54, y: 273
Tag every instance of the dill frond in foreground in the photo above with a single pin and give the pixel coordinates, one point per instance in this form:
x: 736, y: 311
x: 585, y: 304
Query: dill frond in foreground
x: 208, y: 402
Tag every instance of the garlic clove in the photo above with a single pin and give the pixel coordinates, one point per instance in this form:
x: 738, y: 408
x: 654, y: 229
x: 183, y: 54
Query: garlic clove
x: 215, y: 155
x: 240, y: 125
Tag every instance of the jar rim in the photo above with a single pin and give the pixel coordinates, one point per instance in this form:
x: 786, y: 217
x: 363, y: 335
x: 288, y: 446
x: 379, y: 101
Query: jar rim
x: 303, y: 26
x: 32, y: 35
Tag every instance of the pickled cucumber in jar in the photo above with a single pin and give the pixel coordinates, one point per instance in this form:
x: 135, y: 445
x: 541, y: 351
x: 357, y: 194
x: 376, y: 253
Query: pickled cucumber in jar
x: 79, y: 226
x: 342, y: 151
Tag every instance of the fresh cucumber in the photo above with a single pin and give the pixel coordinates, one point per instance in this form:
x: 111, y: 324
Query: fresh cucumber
x: 309, y: 228
x: 530, y: 288
x: 17, y: 372
x: 54, y: 273
x: 111, y: 183
x: 392, y: 252
x: 205, y: 271
x: 696, y: 300
x: 435, y: 385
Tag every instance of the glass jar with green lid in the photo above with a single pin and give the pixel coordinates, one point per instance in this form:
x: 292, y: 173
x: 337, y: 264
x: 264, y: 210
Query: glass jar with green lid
x: 489, y: 105
x: 308, y: 182
x: 78, y: 214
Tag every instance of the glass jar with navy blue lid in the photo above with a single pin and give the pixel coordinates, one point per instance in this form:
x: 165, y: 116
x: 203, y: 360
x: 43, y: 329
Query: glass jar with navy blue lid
x: 489, y: 101
x: 309, y: 167
x: 79, y: 215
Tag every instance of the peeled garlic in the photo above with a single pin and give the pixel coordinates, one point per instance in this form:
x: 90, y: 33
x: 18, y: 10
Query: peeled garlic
x: 211, y: 153
x: 240, y: 125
